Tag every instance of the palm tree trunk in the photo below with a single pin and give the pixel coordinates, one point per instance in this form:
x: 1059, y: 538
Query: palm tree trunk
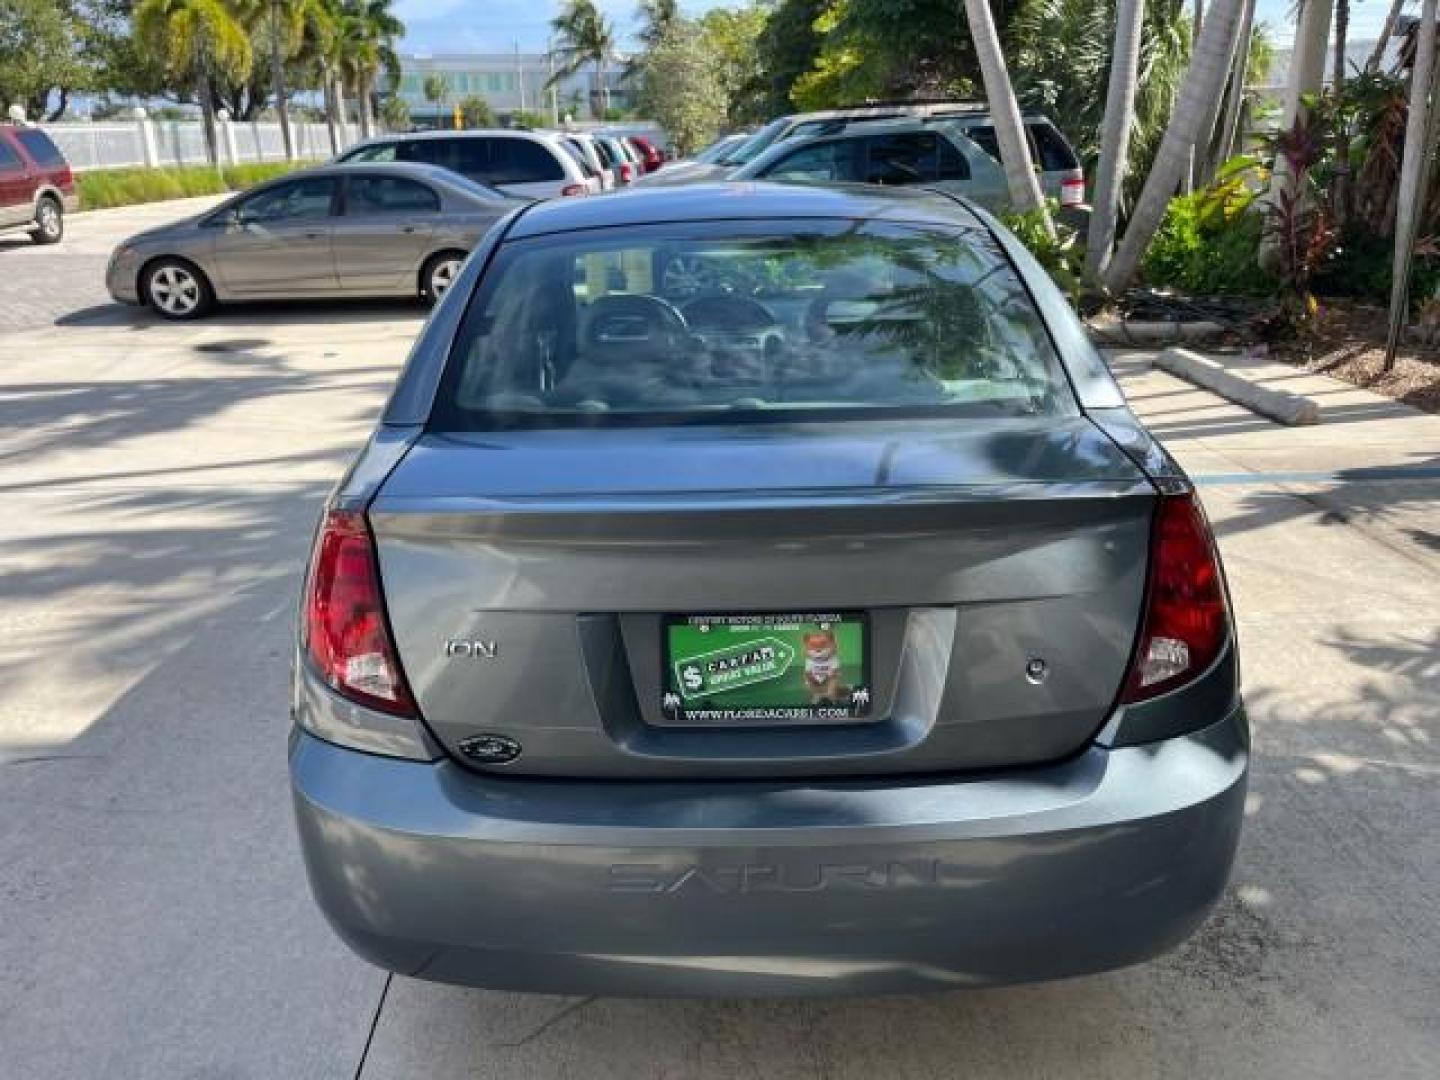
x: 330, y: 126
x: 207, y: 120
x: 277, y: 81
x: 342, y: 125
x: 1340, y: 186
x: 602, y: 92
x: 1412, y: 175
x: 1225, y: 147
x: 1020, y: 178
x: 1387, y: 31
x: 1208, y: 68
x: 367, y: 108
x: 1115, y: 136
x: 1204, y: 168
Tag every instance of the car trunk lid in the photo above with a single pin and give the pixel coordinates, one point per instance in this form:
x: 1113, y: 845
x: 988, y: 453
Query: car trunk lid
x: 998, y: 569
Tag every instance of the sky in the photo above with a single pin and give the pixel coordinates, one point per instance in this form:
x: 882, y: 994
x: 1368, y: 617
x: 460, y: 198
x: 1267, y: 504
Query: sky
x: 496, y: 25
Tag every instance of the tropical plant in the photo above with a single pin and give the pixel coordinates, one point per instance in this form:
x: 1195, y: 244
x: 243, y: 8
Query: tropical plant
x: 436, y: 88
x: 199, y: 40
x: 1300, y: 224
x: 394, y: 113
x: 1061, y: 52
x: 584, y: 36
x: 680, y: 86
x: 1056, y: 246
x: 475, y: 111
x: 1203, y: 82
x: 1207, y: 242
x: 371, y: 32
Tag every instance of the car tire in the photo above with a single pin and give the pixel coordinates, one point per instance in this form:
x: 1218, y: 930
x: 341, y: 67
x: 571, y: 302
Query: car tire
x: 49, y: 222
x: 439, y: 274
x: 176, y: 289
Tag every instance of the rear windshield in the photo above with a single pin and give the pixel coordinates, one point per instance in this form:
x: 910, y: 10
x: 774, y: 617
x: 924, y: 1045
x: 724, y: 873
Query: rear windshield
x: 725, y: 323
x: 1050, y: 150
x: 761, y: 140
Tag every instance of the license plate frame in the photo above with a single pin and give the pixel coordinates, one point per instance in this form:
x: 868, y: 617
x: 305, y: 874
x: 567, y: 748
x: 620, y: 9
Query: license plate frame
x: 759, y: 669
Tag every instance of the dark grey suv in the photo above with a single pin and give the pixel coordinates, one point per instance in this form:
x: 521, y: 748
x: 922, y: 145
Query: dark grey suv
x: 762, y: 589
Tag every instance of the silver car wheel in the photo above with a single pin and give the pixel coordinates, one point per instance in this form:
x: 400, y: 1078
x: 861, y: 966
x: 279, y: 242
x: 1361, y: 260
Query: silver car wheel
x: 442, y: 276
x: 49, y: 219
x: 175, y: 290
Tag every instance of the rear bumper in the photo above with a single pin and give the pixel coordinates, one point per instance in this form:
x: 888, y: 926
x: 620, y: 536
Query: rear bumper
x: 746, y: 888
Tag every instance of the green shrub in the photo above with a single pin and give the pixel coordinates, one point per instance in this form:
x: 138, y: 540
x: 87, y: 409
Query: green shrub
x: 1062, y: 255
x: 1361, y: 267
x: 1209, y: 241
x: 1197, y: 251
x: 125, y: 187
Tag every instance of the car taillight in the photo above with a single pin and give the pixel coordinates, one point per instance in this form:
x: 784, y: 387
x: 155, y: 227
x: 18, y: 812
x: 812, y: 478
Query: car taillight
x: 626, y: 172
x: 1187, y: 617
x: 346, y: 636
x: 1072, y: 192
x: 573, y: 189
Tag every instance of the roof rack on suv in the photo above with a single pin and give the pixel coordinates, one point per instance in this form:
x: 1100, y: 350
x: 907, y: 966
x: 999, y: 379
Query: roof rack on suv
x: 969, y: 103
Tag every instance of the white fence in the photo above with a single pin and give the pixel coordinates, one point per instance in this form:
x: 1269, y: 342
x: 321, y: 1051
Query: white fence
x: 114, y: 143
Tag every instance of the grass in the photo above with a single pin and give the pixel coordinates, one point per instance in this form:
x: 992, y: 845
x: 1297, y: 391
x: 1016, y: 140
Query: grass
x: 126, y: 187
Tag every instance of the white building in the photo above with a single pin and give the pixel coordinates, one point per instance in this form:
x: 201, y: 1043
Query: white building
x: 509, y: 82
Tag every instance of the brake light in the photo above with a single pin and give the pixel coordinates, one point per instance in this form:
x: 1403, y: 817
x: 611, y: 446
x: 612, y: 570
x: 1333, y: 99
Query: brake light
x: 1072, y: 192
x: 1187, y: 617
x: 573, y: 189
x: 346, y: 636
x: 627, y: 174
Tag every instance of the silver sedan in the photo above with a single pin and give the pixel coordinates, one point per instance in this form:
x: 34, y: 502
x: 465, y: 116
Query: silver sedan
x: 339, y: 230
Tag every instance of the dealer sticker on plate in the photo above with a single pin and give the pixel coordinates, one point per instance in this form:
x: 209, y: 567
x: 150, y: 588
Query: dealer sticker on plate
x: 766, y: 669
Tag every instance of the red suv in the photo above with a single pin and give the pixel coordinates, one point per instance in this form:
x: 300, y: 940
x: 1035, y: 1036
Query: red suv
x: 650, y: 156
x: 37, y: 188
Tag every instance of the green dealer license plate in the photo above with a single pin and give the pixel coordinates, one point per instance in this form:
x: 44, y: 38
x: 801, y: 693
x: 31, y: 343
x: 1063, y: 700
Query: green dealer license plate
x: 811, y: 668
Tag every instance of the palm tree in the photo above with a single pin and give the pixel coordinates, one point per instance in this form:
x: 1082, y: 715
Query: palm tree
x: 1240, y: 66
x: 278, y: 27
x: 585, y: 36
x: 1209, y: 67
x: 1005, y: 114
x: 1340, y: 186
x: 196, y: 41
x: 1413, y: 169
x: 436, y: 88
x: 371, y: 32
x: 1115, y: 135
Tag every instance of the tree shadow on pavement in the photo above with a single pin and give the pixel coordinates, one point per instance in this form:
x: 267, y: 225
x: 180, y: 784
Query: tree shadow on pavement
x: 272, y: 312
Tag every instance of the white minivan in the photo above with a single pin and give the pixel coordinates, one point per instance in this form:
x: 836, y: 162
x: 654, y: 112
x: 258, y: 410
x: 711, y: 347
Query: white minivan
x: 534, y: 164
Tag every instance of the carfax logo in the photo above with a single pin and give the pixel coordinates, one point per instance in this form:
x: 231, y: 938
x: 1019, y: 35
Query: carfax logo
x: 766, y: 668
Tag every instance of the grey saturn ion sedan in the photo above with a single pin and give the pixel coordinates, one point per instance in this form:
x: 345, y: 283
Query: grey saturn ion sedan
x: 894, y: 654
x: 338, y: 230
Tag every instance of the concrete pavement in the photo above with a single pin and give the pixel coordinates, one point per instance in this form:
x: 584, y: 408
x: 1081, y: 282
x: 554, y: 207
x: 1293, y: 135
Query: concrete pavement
x: 67, y: 280
x: 160, y: 486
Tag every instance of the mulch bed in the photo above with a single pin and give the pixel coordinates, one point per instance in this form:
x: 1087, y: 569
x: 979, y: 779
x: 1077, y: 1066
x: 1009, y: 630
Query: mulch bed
x: 1350, y: 345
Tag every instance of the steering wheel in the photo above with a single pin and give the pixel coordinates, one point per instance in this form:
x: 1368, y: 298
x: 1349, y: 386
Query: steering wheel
x: 632, y: 319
